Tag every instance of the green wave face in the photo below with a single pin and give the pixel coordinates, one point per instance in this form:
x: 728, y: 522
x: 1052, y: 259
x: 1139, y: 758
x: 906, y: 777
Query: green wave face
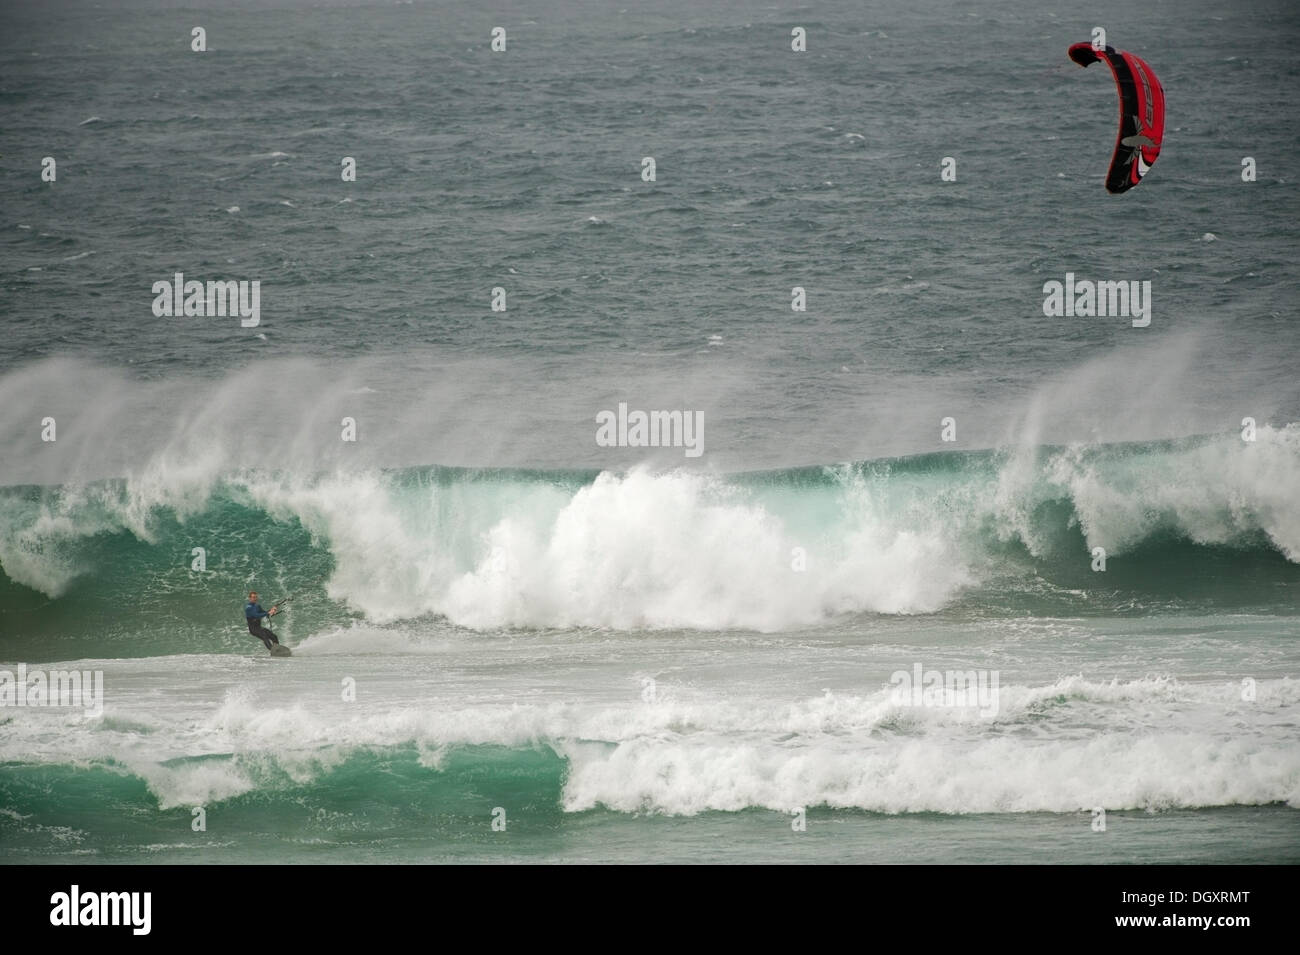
x: 367, y: 801
x: 114, y: 568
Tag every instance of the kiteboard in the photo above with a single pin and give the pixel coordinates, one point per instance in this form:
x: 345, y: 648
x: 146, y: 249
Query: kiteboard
x: 280, y: 650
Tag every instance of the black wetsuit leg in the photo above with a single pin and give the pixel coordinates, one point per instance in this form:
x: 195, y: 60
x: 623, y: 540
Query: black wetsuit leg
x: 259, y: 631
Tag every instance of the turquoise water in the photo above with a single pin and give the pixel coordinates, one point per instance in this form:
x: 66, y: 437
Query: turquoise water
x: 634, y: 654
x: 561, y: 732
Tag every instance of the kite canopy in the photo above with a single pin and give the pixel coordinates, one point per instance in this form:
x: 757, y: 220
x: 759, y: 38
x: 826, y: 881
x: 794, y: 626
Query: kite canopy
x: 1141, y: 114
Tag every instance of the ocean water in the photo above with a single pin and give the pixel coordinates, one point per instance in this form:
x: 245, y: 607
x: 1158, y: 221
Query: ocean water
x: 513, y: 643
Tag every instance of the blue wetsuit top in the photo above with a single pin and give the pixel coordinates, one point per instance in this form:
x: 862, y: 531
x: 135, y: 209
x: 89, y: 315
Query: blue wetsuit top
x: 254, y: 611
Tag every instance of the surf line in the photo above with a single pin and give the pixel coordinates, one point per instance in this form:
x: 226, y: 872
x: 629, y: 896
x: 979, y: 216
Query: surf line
x: 651, y: 429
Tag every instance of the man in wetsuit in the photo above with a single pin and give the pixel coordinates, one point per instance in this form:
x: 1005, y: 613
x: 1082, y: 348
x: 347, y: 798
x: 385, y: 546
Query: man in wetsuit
x: 254, y: 613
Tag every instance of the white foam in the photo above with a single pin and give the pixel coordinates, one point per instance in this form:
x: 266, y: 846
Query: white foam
x: 641, y: 550
x: 644, y: 550
x: 1112, y: 771
x: 1214, y: 493
x: 1065, y: 747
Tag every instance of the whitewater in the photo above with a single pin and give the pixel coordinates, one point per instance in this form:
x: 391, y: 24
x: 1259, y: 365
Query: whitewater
x: 660, y: 644
x: 520, y: 637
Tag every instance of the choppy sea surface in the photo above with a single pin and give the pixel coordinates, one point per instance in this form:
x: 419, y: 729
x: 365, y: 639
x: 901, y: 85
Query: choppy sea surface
x: 515, y: 643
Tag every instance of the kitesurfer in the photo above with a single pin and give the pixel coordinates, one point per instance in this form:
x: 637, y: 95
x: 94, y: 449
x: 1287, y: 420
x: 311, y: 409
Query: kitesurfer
x: 254, y: 614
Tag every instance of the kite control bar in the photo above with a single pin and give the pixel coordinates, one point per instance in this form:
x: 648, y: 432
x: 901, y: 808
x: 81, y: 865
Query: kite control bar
x: 281, y: 603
